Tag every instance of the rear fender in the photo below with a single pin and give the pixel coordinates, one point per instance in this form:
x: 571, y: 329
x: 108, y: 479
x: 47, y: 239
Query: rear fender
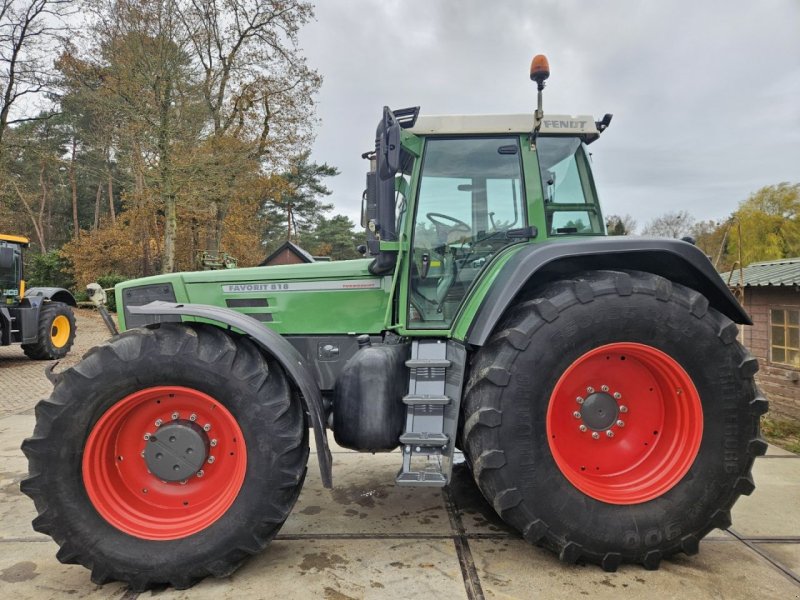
x: 54, y: 294
x: 537, y: 264
x: 276, y: 346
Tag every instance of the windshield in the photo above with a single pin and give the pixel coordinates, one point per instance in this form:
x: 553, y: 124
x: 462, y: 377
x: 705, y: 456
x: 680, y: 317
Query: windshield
x: 570, y: 203
x: 470, y: 196
x: 10, y: 271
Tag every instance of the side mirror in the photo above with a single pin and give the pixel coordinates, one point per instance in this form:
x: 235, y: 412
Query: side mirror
x: 6, y: 257
x: 389, y: 145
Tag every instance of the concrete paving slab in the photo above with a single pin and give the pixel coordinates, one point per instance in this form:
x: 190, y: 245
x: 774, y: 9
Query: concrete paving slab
x: 16, y: 510
x: 14, y: 429
x: 365, y: 500
x: 336, y: 448
x: 788, y: 555
x: 30, y: 571
x: 773, y: 450
x: 774, y: 507
x: 340, y: 570
x: 513, y: 569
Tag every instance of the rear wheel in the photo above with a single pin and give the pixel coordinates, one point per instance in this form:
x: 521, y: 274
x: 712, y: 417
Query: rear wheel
x: 166, y: 455
x: 614, y: 419
x: 55, y: 334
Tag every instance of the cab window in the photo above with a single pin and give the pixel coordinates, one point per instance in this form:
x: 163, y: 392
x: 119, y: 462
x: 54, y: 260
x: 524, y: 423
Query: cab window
x: 570, y: 204
x: 470, y: 196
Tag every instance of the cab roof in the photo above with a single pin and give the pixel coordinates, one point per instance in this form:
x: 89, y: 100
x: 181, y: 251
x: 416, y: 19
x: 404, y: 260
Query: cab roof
x: 16, y: 239
x: 582, y: 125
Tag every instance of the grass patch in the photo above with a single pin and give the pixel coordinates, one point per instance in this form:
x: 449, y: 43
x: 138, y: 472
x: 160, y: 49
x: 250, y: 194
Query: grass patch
x: 782, y: 433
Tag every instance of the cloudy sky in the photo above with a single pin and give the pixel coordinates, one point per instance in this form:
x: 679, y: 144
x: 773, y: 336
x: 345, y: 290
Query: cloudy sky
x: 705, y: 94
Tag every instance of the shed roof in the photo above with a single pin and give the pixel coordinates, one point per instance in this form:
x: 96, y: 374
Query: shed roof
x: 292, y: 247
x: 781, y: 272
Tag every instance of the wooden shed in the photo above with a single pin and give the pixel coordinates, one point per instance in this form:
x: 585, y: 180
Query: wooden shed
x: 772, y: 298
x: 288, y: 253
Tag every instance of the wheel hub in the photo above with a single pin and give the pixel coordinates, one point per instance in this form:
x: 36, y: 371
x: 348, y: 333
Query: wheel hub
x: 599, y: 411
x: 177, y: 450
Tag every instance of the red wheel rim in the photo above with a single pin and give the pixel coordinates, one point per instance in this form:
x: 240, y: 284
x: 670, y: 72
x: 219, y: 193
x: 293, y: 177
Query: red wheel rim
x: 624, y: 423
x: 137, y: 502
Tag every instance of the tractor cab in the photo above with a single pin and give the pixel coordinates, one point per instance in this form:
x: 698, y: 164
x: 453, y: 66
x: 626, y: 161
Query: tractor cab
x: 459, y: 193
x: 12, y: 285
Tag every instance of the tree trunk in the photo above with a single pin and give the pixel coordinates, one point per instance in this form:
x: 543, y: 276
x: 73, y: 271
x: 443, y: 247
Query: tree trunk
x: 97, y: 199
x: 42, y: 205
x: 73, y: 180
x: 111, y: 210
x: 139, y: 194
x: 165, y: 172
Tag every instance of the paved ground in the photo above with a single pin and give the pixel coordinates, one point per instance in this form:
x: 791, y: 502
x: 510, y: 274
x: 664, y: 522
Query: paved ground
x: 369, y: 539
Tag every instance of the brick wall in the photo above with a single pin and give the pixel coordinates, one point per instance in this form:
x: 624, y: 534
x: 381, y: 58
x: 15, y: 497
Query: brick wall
x: 780, y: 383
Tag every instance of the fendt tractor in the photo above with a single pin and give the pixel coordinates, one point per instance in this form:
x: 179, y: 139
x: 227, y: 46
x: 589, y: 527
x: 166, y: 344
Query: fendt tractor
x: 594, y: 384
x: 38, y: 318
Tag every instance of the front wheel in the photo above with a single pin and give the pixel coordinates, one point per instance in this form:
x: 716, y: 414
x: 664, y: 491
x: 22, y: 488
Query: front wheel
x: 55, y: 332
x: 614, y: 418
x: 166, y: 455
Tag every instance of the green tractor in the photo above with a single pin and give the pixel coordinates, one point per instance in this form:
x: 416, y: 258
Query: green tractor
x: 594, y: 384
x: 39, y: 318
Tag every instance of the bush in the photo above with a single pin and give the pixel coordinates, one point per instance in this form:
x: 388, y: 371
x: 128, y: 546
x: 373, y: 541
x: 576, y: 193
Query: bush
x: 49, y: 270
x: 109, y: 281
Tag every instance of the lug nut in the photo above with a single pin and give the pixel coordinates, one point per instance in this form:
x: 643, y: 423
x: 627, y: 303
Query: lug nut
x: 142, y: 454
x: 617, y: 395
x: 207, y: 427
x: 175, y: 415
x: 200, y: 473
x: 579, y: 400
x: 577, y: 414
x: 193, y: 417
x: 620, y: 423
x: 623, y: 409
x: 184, y: 482
x: 582, y: 427
x: 590, y: 390
x: 211, y: 460
x: 595, y: 435
x: 158, y: 422
x: 609, y: 433
x: 146, y: 437
x: 604, y: 388
x: 213, y: 443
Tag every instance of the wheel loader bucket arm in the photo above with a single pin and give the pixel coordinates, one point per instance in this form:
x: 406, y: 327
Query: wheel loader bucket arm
x: 273, y: 344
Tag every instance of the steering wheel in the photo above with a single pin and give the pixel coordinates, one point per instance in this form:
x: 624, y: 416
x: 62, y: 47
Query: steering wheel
x: 436, y: 219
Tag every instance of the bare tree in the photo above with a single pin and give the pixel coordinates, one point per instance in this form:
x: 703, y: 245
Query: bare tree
x: 255, y: 81
x: 28, y: 31
x: 676, y: 224
x: 620, y: 225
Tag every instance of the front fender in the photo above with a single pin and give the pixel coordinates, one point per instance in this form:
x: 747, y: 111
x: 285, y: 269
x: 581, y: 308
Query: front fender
x: 275, y: 345
x: 537, y: 264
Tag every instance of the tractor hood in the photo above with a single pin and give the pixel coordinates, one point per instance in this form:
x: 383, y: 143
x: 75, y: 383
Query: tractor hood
x: 340, y: 297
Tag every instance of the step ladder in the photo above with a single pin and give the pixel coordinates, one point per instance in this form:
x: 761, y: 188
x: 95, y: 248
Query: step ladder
x: 436, y: 370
